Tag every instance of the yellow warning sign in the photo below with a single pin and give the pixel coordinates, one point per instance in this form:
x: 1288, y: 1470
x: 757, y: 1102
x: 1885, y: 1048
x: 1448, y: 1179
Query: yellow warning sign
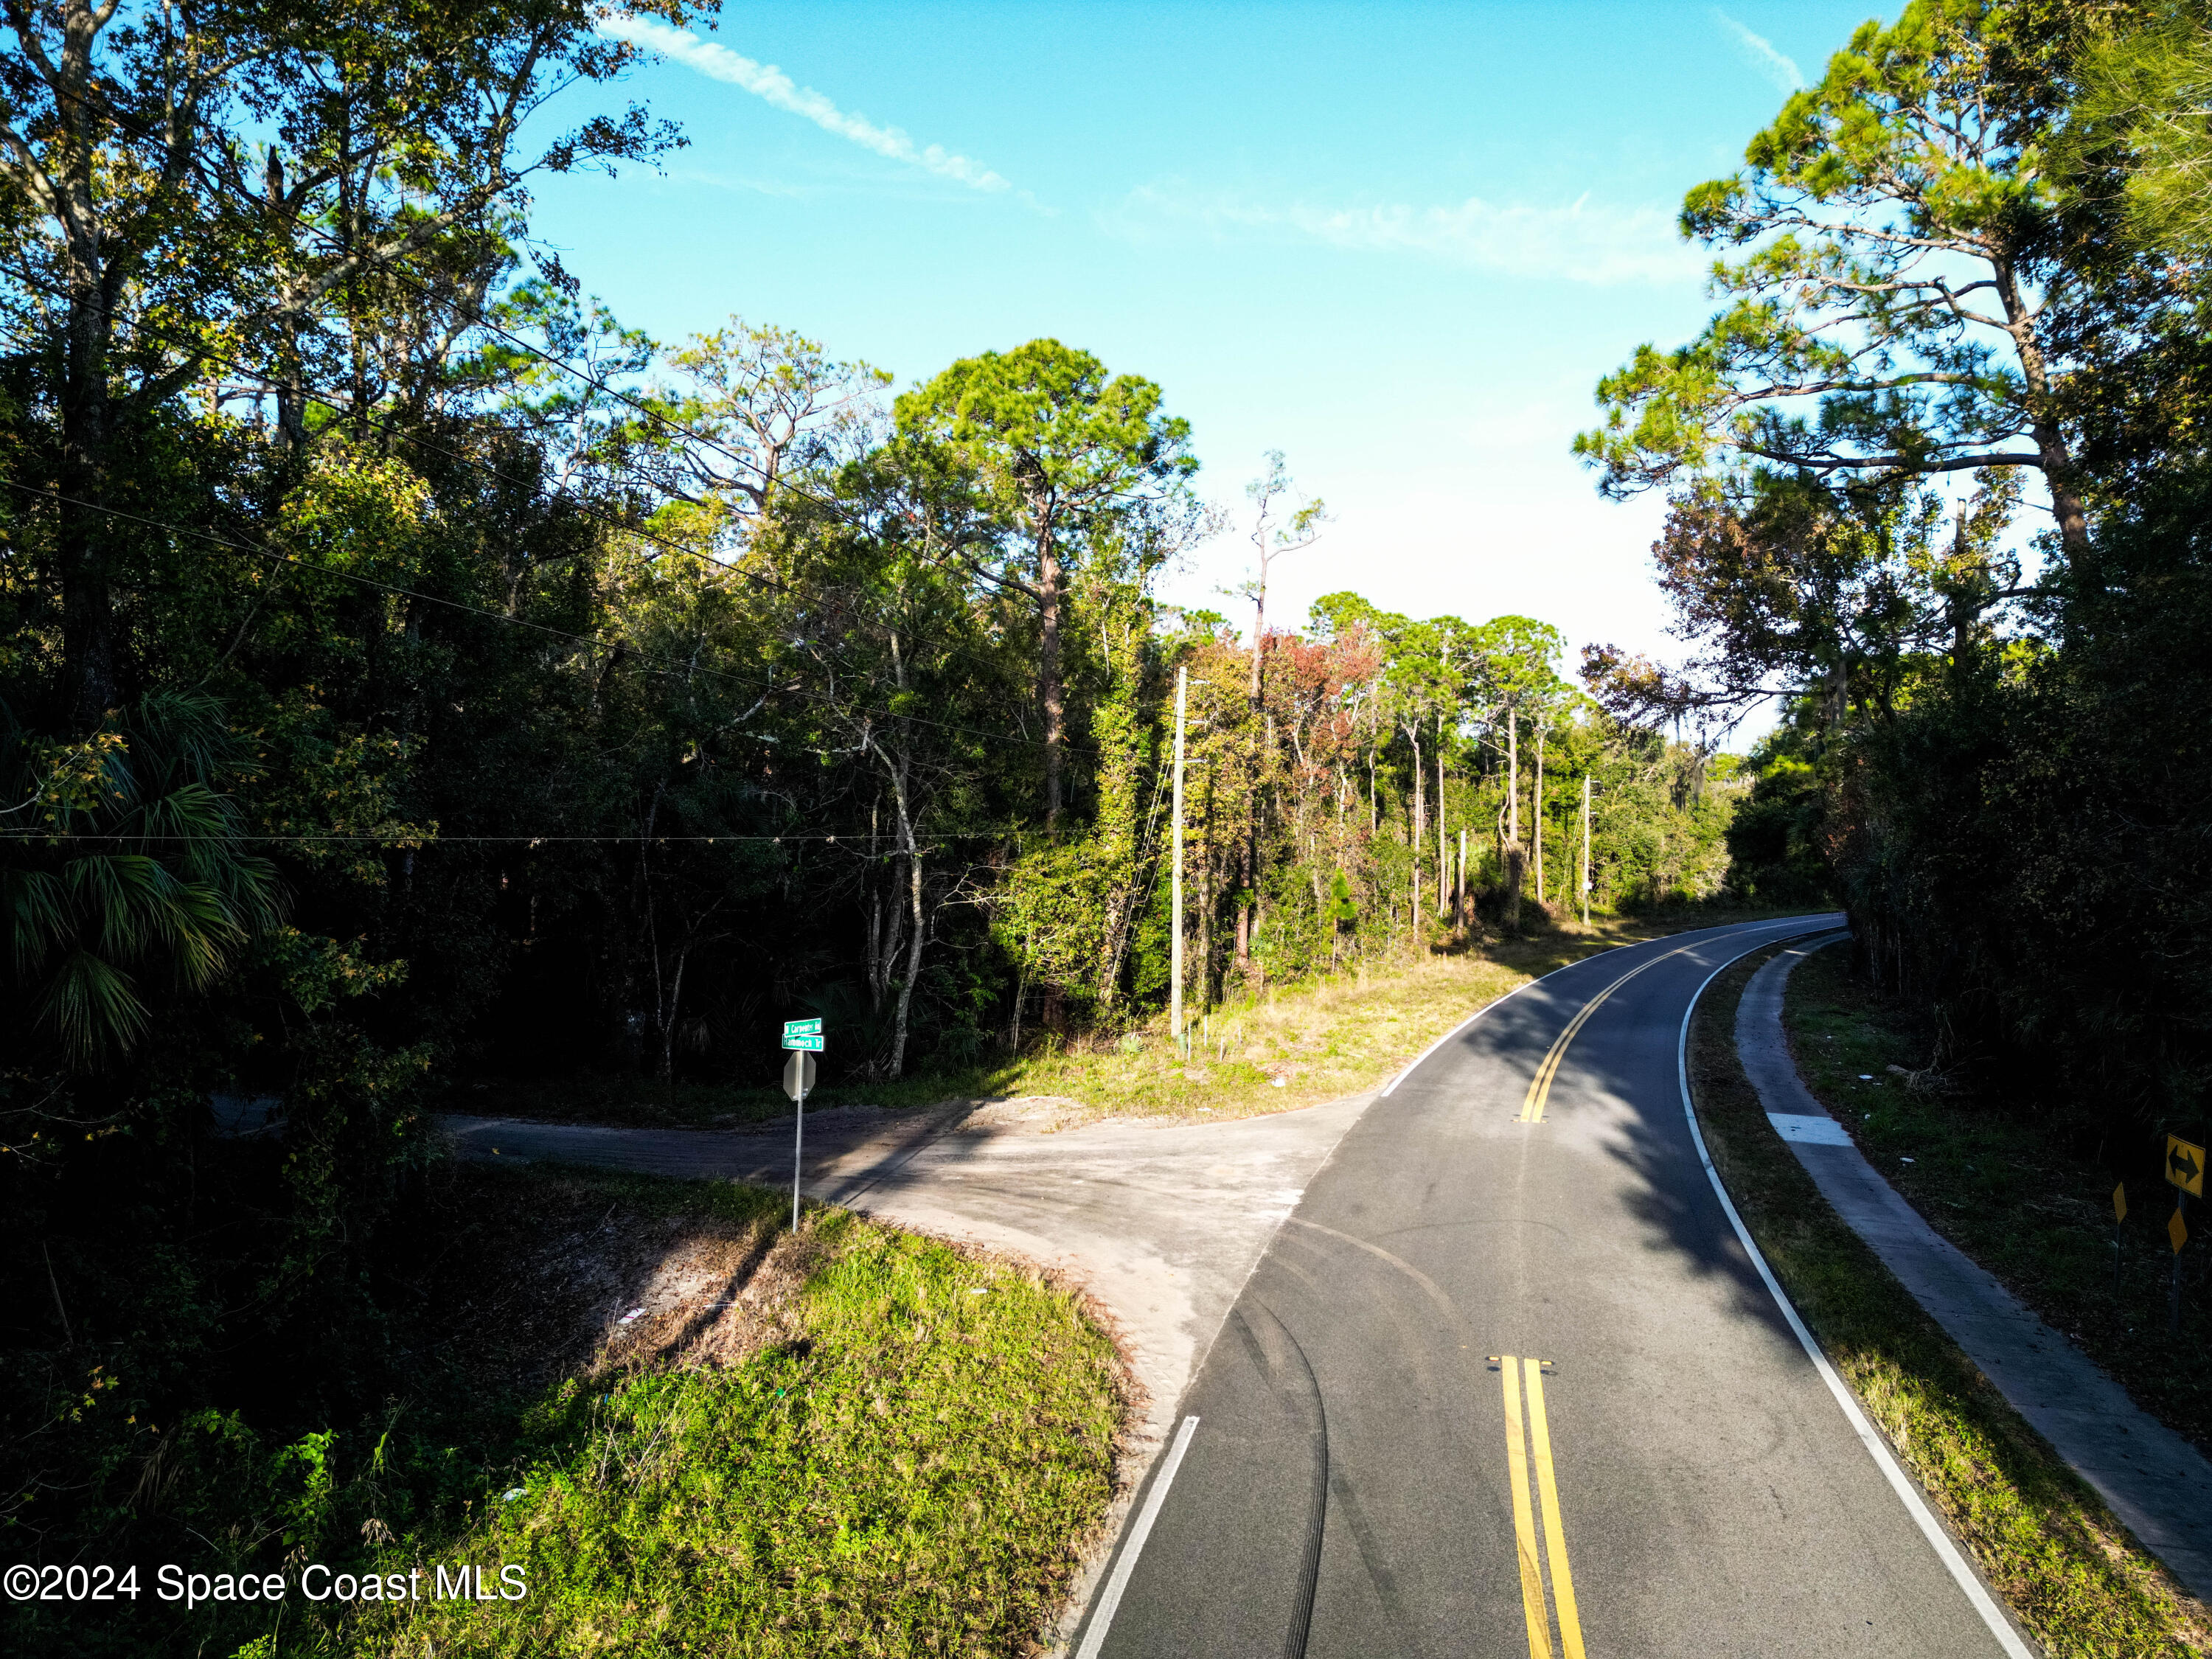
x: 2177, y: 1229
x: 2120, y: 1202
x: 2185, y: 1165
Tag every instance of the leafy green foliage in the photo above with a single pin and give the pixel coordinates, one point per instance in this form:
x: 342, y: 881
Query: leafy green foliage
x: 1893, y: 317
x: 2140, y: 121
x: 2000, y: 779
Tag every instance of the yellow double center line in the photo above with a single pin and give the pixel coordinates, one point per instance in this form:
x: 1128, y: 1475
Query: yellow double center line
x: 1539, y: 1086
x: 1520, y: 1450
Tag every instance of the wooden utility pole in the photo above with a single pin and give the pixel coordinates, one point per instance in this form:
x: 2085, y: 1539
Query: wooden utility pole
x: 1443, y: 857
x: 1175, y: 879
x: 1512, y: 777
x: 1536, y: 809
x: 1586, y: 818
x: 1515, y: 855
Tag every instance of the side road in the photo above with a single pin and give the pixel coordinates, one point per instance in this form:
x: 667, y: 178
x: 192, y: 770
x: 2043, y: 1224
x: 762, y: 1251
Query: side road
x: 2153, y: 1480
x: 1161, y: 1222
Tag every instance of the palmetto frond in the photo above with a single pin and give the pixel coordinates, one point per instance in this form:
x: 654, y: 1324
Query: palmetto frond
x: 166, y: 887
x: 91, y: 1006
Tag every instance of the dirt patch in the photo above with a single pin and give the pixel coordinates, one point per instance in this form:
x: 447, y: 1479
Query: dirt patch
x: 1040, y: 1115
x: 564, y: 1279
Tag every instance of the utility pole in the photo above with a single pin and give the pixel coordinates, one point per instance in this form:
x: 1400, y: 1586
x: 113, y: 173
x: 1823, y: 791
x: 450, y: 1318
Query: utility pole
x: 1586, y: 818
x: 1459, y: 887
x: 1174, y: 880
x: 1443, y: 857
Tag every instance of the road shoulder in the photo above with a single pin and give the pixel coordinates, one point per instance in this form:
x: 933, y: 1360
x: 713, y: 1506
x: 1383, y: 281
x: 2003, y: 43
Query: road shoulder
x: 2070, y: 1573
x: 2147, y: 1475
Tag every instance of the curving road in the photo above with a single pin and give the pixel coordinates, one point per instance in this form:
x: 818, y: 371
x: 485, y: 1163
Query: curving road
x: 1507, y: 1383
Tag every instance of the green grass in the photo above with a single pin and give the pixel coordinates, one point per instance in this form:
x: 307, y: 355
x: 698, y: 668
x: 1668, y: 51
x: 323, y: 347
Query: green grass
x: 2070, y: 1572
x: 912, y: 1472
x: 2011, y: 1196
x: 1322, y: 1040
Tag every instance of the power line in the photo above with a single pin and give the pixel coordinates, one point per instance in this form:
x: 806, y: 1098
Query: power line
x: 421, y: 838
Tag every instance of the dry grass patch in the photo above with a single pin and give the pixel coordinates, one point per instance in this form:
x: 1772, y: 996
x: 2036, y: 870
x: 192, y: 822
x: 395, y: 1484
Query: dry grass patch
x: 1306, y: 1044
x: 1291, y: 1046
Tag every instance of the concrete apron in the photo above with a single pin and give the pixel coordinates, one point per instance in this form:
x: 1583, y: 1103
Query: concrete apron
x: 2158, y: 1484
x: 1161, y: 1223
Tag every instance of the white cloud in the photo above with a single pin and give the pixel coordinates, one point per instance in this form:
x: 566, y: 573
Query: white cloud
x: 1780, y: 70
x: 1576, y: 242
x: 771, y: 84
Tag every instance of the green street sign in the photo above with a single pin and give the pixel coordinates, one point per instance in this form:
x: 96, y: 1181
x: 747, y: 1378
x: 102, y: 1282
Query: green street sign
x: 812, y: 1043
x: 792, y: 1028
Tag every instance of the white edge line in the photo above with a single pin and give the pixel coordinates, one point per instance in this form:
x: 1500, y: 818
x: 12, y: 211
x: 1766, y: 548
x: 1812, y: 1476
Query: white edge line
x: 1389, y: 1088
x: 1877, y: 1448
x: 1110, y: 1598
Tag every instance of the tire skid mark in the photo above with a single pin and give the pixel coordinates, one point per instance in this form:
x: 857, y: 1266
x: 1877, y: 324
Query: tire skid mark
x: 1283, y: 1362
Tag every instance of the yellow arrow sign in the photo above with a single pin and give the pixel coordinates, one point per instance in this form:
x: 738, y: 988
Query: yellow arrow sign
x: 2185, y: 1165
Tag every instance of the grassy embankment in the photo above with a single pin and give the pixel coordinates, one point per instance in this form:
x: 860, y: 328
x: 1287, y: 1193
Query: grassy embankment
x: 905, y: 1462
x: 2043, y: 1539
x: 1294, y: 1046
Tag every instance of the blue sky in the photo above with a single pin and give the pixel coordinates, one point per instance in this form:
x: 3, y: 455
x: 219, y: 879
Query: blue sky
x: 1398, y: 242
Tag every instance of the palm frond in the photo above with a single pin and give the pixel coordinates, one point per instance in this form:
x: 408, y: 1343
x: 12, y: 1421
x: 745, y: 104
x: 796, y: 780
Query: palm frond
x: 90, y: 1006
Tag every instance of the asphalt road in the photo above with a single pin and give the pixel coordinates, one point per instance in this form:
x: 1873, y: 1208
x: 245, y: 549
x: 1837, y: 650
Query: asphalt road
x: 1509, y: 1385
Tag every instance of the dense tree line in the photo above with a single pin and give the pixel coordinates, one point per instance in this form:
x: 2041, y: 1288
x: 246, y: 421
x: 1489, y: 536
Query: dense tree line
x: 408, y: 672
x: 1972, y: 275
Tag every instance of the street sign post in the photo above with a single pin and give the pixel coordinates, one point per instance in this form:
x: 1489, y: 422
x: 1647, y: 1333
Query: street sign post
x: 2119, y: 1218
x: 803, y: 1038
x: 2177, y: 1229
x: 2184, y: 1168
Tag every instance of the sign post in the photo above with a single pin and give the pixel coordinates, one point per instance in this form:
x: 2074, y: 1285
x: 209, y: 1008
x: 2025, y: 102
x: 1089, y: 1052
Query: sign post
x: 2119, y: 1217
x: 803, y: 1038
x: 2184, y: 1168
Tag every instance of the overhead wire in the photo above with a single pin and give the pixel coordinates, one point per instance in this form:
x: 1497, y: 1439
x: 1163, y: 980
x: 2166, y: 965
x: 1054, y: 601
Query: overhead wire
x: 425, y: 837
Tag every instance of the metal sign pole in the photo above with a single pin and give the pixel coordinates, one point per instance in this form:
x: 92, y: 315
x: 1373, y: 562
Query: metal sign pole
x: 2119, y: 1234
x: 2173, y: 1286
x: 2184, y: 1169
x: 802, y: 1039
